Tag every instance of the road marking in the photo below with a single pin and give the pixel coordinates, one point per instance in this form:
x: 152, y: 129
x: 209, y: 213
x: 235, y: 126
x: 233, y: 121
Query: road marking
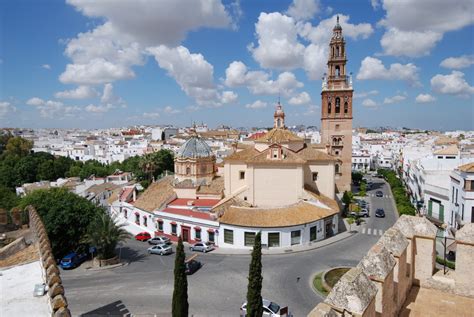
x: 363, y: 230
x: 369, y: 231
x: 380, y: 232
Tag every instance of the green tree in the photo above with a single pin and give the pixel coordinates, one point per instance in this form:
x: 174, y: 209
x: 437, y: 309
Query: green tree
x: 180, y: 293
x: 8, y: 198
x: 4, y: 140
x: 254, y: 289
x: 350, y: 221
x: 148, y: 165
x: 65, y: 215
x: 18, y: 146
x: 357, y: 178
x: 105, y: 234
x: 347, y: 200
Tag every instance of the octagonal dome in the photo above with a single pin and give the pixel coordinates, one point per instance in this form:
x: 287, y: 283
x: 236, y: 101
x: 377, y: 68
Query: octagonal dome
x: 195, y: 147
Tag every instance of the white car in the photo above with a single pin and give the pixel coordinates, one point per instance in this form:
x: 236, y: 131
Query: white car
x: 202, y: 246
x: 160, y: 249
x: 270, y: 309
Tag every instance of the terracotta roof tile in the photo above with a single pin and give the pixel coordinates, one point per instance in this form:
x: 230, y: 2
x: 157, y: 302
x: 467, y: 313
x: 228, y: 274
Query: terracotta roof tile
x: 242, y: 155
x: 215, y: 187
x: 289, y: 157
x: 310, y: 153
x: 156, y: 195
x: 467, y: 168
x: 278, y: 135
x: 297, y: 214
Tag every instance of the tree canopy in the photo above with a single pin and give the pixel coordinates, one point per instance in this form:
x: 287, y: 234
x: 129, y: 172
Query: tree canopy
x: 66, y: 217
x: 180, y: 305
x: 254, y: 289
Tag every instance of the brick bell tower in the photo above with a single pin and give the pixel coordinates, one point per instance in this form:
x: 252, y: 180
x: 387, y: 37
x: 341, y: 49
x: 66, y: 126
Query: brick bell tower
x: 336, y: 110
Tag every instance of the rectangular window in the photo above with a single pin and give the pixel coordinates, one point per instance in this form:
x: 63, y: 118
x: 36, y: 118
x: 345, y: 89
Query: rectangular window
x: 452, y: 195
x: 242, y: 175
x: 295, y: 237
x: 198, y: 234
x: 174, y: 228
x: 315, y: 176
x: 211, y: 236
x: 457, y: 195
x: 249, y: 239
x: 312, y: 233
x: 274, y: 239
x: 462, y: 212
x: 160, y: 225
x: 228, y: 236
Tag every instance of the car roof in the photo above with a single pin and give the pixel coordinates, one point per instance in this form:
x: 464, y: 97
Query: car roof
x: 69, y: 255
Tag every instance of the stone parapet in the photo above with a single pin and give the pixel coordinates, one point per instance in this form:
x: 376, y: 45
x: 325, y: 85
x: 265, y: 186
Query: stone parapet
x: 57, y: 299
x: 464, y: 275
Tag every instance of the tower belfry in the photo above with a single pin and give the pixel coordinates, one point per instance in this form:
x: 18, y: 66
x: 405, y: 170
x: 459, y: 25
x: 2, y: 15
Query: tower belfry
x: 336, y: 109
x: 279, y: 116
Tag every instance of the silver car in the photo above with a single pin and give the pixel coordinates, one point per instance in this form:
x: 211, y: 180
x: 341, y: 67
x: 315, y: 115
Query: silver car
x: 202, y: 246
x: 160, y: 249
x: 159, y: 240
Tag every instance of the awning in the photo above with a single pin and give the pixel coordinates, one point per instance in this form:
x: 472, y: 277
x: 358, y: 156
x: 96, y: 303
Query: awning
x: 197, y: 228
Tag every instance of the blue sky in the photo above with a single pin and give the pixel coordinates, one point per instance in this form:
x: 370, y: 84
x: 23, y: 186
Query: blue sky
x: 92, y: 64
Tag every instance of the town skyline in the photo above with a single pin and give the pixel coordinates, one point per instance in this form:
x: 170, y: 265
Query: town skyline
x: 411, y: 70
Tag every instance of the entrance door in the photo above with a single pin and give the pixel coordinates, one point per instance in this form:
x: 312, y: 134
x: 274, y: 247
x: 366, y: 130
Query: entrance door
x: 328, y: 229
x: 185, y: 233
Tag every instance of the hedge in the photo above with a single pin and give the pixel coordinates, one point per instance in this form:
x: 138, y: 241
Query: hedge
x: 402, y: 200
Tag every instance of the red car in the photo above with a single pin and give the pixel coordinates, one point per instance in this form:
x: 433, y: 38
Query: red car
x: 143, y: 236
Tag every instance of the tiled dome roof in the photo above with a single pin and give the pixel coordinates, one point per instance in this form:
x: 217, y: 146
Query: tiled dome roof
x: 194, y: 147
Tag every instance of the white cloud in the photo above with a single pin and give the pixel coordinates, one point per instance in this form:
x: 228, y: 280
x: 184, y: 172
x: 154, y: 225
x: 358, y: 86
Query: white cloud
x: 151, y: 115
x: 229, y: 97
x: 171, y: 110
x: 52, y: 108
x: 157, y: 22
x: 364, y: 94
x: 463, y: 61
x: 394, y: 99
x: 6, y: 108
x: 409, y: 43
x: 109, y: 99
x: 46, y: 66
x: 81, y: 92
x: 99, y: 108
x: 256, y: 105
x: 259, y: 82
x: 97, y: 71
x: 415, y: 31
x: 312, y: 110
x: 424, y: 98
x: 303, y: 9
x: 278, y: 45
x: 301, y: 99
x: 452, y: 84
x: 369, y: 103
x: 191, y: 71
x: 375, y: 4
x: 372, y: 68
x: 35, y: 101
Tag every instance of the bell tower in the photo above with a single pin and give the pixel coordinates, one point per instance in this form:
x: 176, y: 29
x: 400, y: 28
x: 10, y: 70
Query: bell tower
x: 279, y: 117
x: 336, y: 110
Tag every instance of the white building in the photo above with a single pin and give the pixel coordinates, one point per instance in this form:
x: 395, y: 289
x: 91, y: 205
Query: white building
x: 461, y: 193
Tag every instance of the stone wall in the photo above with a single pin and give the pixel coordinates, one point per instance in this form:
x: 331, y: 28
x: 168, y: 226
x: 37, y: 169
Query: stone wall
x: 56, y: 295
x: 404, y: 256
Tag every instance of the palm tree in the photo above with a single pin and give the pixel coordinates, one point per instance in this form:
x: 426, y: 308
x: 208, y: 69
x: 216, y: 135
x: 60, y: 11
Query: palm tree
x: 148, y: 165
x: 105, y: 234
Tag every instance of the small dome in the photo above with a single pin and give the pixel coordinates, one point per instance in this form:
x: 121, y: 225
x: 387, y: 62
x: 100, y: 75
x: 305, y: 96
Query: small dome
x: 194, y: 147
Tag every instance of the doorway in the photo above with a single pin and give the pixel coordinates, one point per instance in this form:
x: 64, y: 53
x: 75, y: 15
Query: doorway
x: 185, y: 233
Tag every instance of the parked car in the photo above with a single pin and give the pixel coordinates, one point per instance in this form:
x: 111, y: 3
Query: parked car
x: 202, y: 246
x: 160, y: 249
x: 380, y: 213
x: 72, y: 260
x: 192, y: 266
x: 361, y: 213
x: 269, y: 309
x: 379, y: 193
x: 143, y: 236
x: 159, y: 240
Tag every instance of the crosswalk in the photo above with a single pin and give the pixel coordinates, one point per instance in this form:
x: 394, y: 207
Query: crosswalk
x: 384, y: 196
x: 372, y: 231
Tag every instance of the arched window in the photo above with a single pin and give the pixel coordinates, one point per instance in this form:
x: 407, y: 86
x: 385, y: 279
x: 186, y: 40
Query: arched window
x: 338, y: 71
x: 338, y: 105
x: 337, y: 169
x: 338, y: 51
x: 346, y: 107
x: 329, y: 107
x: 188, y: 170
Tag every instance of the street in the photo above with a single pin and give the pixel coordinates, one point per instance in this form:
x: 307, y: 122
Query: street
x: 145, y: 286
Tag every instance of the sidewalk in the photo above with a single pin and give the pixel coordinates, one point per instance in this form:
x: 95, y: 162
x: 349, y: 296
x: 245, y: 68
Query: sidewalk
x: 294, y: 249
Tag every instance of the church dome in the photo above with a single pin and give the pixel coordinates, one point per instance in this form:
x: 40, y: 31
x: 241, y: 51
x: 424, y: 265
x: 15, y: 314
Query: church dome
x: 195, y: 147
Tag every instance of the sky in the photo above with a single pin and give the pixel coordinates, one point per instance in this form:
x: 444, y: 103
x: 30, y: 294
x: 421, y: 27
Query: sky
x: 113, y: 63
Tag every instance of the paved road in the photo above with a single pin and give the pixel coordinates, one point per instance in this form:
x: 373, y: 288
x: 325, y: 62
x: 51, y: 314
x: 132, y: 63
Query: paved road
x: 145, y: 286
